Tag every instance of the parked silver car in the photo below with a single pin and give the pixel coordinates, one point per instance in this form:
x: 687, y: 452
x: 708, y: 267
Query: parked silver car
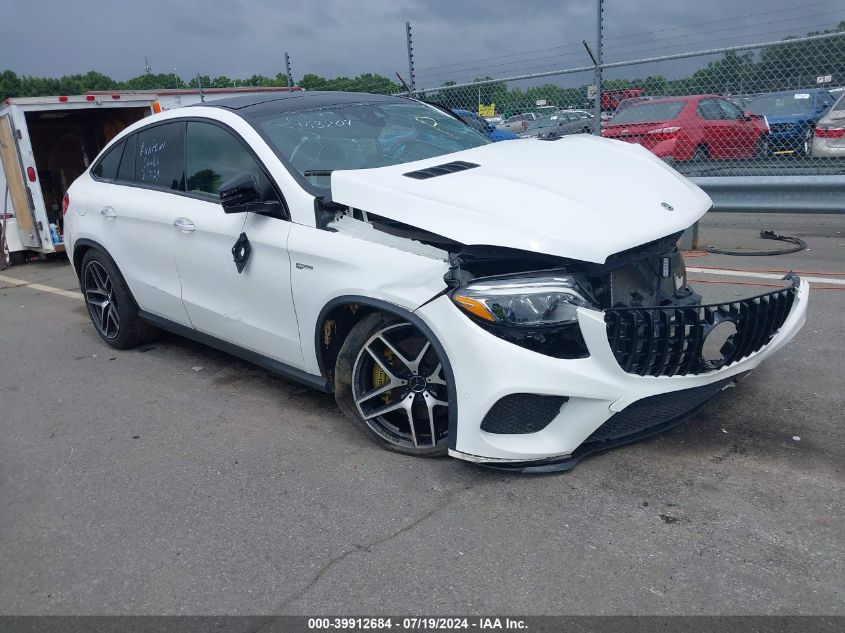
x: 560, y: 124
x: 518, y: 123
x: 829, y: 137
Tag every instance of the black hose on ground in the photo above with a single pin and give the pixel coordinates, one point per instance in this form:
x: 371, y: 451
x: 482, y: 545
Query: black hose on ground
x: 800, y: 245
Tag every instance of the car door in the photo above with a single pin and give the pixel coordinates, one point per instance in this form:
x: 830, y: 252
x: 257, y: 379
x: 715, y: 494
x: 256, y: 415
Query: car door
x: 712, y: 129
x: 251, y: 308
x: 135, y: 203
x: 742, y: 134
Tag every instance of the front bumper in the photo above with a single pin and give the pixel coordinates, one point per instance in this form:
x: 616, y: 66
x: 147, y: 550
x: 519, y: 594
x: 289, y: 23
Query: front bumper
x: 597, y: 389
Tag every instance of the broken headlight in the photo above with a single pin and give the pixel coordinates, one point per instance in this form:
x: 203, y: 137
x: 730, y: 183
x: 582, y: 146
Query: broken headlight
x: 539, y: 313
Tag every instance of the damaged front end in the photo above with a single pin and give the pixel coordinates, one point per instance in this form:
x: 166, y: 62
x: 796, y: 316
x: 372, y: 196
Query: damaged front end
x: 656, y: 324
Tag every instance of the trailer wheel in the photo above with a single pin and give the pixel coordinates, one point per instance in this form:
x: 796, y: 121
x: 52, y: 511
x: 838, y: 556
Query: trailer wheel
x: 110, y: 304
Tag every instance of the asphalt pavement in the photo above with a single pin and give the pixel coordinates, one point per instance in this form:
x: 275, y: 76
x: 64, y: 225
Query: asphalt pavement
x: 173, y: 479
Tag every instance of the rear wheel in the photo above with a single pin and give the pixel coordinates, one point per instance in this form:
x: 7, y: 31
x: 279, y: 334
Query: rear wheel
x: 110, y: 305
x: 390, y: 378
x: 700, y: 153
x: 807, y: 142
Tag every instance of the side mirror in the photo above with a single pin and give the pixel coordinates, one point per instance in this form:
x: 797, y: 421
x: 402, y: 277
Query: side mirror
x: 237, y: 193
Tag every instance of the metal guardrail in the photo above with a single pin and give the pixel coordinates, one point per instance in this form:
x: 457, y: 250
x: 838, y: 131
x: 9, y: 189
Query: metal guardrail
x: 775, y: 194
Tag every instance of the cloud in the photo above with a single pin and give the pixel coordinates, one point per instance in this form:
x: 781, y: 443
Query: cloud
x: 338, y: 37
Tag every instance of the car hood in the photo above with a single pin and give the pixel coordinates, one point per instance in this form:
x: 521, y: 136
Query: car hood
x: 580, y: 197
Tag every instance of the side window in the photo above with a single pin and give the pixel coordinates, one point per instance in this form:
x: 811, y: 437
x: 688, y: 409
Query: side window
x: 126, y: 173
x: 106, y: 167
x: 729, y: 110
x: 709, y: 110
x: 160, y: 156
x: 213, y: 156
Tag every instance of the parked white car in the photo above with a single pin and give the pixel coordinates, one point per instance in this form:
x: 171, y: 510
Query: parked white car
x: 456, y: 295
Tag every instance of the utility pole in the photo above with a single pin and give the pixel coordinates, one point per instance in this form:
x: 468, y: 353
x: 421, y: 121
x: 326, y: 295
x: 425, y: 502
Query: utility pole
x: 411, y: 73
x: 199, y: 85
x: 287, y: 69
x: 598, y: 62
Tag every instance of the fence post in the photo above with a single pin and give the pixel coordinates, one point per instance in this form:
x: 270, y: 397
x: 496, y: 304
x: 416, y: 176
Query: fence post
x: 597, y: 80
x: 411, y: 78
x: 287, y: 69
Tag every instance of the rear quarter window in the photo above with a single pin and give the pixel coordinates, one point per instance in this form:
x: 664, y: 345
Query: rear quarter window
x: 106, y: 167
x: 160, y: 156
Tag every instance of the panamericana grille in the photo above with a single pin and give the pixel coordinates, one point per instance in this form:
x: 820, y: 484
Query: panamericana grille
x: 667, y: 340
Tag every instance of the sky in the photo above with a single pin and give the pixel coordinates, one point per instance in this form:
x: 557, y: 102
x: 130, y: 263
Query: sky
x: 453, y: 39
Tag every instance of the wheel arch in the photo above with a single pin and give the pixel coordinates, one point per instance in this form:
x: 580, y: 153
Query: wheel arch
x: 82, y: 246
x: 327, y: 354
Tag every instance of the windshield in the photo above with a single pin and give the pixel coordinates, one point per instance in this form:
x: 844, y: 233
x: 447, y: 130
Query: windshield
x: 840, y: 105
x: 473, y: 120
x: 317, y: 141
x: 781, y: 104
x: 649, y: 112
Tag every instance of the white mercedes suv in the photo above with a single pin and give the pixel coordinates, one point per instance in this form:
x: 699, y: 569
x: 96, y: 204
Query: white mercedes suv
x: 515, y: 304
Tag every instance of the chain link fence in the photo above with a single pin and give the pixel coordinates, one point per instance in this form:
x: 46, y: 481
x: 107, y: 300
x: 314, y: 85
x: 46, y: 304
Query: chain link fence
x: 768, y: 109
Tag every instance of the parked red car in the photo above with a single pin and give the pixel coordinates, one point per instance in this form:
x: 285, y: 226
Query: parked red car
x: 691, y: 128
x: 610, y: 98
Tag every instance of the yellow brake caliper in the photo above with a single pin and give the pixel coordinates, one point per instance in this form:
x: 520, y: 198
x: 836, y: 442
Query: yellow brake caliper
x: 380, y: 376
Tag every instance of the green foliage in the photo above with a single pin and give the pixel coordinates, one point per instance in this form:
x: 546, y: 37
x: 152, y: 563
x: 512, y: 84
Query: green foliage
x: 11, y: 85
x: 367, y: 82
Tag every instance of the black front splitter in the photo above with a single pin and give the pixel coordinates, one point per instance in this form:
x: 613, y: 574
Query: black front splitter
x: 591, y: 447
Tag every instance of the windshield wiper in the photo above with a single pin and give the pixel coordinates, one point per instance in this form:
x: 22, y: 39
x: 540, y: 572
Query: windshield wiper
x: 317, y: 172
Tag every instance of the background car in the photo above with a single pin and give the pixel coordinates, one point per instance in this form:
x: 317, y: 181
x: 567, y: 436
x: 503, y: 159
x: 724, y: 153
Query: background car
x: 691, y: 128
x: 792, y: 116
x: 519, y: 122
x: 560, y: 124
x: 480, y: 124
x: 829, y: 137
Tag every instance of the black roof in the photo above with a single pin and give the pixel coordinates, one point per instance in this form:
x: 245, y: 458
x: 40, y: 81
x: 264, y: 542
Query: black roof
x: 267, y: 103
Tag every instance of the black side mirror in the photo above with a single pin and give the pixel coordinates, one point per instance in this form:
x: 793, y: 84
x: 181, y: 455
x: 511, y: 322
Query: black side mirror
x: 237, y: 193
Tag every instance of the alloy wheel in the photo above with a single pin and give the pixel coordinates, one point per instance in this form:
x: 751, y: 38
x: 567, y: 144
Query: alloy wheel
x: 100, y: 300
x: 399, y: 388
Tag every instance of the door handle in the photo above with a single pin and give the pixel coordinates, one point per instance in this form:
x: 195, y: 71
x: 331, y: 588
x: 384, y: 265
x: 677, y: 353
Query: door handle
x: 108, y: 213
x: 184, y: 225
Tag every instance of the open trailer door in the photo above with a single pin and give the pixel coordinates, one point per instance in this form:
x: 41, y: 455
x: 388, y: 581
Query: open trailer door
x: 18, y: 191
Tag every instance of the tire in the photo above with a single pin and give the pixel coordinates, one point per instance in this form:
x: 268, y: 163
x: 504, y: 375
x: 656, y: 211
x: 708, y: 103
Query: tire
x: 110, y: 304
x: 700, y: 153
x: 807, y: 142
x: 761, y: 147
x: 412, y: 416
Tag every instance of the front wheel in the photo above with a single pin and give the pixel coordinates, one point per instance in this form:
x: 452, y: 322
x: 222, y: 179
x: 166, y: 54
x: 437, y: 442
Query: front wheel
x: 761, y: 147
x: 390, y: 378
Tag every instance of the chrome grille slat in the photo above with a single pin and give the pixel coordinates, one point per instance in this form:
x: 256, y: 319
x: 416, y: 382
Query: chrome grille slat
x: 667, y: 340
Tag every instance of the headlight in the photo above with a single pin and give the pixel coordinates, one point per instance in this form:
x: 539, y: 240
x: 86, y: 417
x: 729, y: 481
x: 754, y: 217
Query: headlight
x: 538, y: 313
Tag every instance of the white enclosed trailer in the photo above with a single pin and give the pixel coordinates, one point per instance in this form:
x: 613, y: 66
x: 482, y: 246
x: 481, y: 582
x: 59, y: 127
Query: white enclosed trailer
x: 45, y: 144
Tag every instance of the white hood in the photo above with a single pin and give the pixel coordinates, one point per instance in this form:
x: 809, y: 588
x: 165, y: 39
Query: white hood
x: 580, y: 197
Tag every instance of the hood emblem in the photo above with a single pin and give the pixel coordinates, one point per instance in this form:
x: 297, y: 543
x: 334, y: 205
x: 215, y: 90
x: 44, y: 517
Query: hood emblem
x: 667, y: 206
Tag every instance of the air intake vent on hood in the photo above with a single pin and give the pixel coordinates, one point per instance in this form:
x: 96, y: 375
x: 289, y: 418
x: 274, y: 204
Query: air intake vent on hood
x: 441, y: 170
